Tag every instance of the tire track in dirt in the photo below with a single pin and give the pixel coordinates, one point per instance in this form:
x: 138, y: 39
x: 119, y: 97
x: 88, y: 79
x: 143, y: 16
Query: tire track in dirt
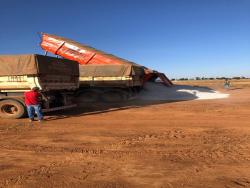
x: 219, y: 144
x: 169, y: 146
x: 51, y: 171
x: 48, y: 171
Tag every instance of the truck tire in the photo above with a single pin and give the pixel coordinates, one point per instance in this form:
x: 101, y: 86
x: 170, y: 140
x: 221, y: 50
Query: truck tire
x: 114, y: 96
x: 11, y: 109
x: 88, y: 96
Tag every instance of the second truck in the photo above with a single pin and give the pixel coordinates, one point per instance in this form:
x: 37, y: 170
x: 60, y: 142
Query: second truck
x: 103, y: 76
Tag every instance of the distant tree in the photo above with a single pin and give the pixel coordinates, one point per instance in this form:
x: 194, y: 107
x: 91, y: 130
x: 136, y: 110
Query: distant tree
x: 204, y: 78
x: 221, y: 78
x: 197, y: 78
x: 181, y: 79
x: 236, y: 78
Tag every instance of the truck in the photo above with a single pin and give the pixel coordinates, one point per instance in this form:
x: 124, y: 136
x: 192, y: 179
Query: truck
x: 57, y: 79
x: 103, y: 76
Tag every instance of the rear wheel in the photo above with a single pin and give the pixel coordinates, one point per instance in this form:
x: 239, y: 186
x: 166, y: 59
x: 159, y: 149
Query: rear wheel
x: 88, y: 96
x: 11, y: 109
x: 115, y: 96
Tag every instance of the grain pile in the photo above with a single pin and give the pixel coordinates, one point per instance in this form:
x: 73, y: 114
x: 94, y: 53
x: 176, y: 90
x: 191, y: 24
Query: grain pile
x: 157, y: 91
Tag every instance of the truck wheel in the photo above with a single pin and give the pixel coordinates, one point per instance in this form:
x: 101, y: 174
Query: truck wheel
x: 114, y: 96
x: 11, y: 109
x: 88, y: 96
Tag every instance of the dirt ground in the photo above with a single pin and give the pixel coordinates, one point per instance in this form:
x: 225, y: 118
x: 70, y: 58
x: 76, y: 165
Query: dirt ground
x: 203, y: 143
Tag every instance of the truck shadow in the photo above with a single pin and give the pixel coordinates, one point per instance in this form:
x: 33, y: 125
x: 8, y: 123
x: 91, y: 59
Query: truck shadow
x: 147, y: 97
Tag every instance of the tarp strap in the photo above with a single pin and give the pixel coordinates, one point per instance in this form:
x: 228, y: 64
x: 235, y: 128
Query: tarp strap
x: 59, y: 48
x: 90, y: 58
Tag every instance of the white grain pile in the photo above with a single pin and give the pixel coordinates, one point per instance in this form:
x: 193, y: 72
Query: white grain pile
x: 157, y: 91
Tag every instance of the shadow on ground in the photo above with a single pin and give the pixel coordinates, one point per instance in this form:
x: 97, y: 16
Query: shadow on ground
x: 150, y: 95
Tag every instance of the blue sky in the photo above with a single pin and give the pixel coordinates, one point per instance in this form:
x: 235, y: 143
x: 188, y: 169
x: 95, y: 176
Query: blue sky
x: 183, y: 38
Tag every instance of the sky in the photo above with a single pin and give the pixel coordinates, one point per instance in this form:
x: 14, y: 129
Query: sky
x: 182, y: 38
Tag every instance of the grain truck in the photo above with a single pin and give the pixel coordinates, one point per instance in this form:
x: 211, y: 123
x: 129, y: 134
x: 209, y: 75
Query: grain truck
x: 57, y: 79
x: 102, y: 75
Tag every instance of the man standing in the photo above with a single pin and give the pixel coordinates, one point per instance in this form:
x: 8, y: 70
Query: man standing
x: 227, y: 83
x: 32, y: 101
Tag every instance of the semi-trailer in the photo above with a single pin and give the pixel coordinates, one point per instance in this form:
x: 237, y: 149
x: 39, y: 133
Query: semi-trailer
x: 103, y: 76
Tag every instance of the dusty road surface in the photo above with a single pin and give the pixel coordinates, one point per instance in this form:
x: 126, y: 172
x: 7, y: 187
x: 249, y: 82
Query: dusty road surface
x: 196, y: 143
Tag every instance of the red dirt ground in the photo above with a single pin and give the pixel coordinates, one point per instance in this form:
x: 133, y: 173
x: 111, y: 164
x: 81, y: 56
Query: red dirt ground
x: 137, y: 144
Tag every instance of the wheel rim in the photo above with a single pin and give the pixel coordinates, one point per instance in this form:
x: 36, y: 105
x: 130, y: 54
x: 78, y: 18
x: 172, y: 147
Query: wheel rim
x: 9, y: 109
x: 88, y: 97
x: 113, y: 97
